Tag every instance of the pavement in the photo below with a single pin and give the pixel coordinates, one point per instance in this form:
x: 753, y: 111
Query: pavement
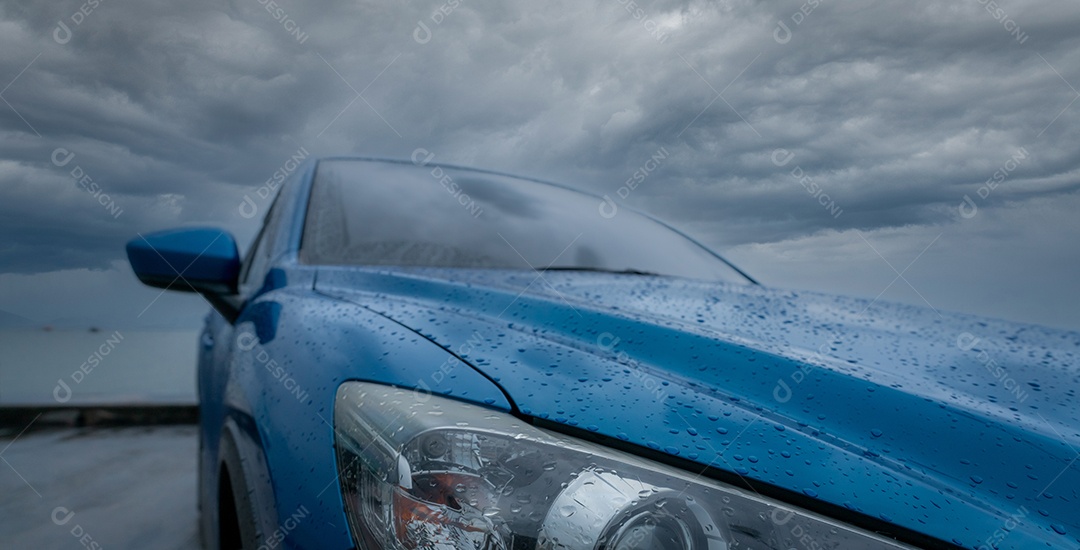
x: 99, y: 488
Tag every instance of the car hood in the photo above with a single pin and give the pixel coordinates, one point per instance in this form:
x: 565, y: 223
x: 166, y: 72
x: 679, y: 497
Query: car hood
x: 958, y: 427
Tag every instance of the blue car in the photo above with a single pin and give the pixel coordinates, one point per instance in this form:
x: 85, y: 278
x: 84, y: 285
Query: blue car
x: 421, y: 356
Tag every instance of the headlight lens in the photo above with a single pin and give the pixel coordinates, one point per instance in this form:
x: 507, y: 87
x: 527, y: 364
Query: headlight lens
x: 424, y: 472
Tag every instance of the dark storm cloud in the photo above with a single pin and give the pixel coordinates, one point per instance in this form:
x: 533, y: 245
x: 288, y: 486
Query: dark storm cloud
x: 891, y: 111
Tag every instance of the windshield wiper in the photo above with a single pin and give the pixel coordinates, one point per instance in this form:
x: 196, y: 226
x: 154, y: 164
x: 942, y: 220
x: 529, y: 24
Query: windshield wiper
x: 627, y: 271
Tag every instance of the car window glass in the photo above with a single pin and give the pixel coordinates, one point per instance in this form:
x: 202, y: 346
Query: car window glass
x: 259, y: 255
x: 372, y: 213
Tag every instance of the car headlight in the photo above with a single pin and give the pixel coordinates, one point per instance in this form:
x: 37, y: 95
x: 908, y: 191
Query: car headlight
x: 422, y: 471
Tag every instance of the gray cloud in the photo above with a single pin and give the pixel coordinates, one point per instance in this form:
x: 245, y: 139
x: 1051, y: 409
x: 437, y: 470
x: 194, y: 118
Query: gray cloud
x: 894, y: 110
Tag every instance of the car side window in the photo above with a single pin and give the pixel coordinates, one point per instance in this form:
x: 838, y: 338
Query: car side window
x: 261, y: 252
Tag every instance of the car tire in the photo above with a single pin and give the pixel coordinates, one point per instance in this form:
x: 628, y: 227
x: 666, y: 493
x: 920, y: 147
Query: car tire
x: 236, y: 525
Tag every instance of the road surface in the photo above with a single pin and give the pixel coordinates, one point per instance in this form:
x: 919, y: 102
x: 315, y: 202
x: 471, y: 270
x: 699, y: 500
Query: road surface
x: 130, y: 487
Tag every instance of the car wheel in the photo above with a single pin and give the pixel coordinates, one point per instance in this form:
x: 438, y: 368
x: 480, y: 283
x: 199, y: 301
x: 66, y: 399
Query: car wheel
x: 236, y: 521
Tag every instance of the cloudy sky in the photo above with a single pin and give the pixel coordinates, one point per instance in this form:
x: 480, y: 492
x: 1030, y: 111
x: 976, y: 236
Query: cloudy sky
x: 916, y: 151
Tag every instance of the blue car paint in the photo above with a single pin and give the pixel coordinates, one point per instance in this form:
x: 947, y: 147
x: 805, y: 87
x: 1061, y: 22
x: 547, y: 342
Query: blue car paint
x: 933, y: 447
x: 215, y: 249
x: 884, y: 415
x: 242, y: 391
x: 287, y: 384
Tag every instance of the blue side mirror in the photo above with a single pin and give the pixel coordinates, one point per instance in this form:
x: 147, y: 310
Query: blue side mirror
x: 203, y: 260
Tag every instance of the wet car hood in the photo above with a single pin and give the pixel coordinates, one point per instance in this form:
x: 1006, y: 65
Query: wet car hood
x: 962, y: 428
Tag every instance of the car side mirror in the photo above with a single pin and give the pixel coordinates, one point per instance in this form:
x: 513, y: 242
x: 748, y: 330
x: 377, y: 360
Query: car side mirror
x: 195, y: 260
x: 203, y: 260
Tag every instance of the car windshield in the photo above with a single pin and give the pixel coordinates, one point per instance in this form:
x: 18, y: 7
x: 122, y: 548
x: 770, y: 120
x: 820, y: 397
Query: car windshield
x: 396, y: 214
